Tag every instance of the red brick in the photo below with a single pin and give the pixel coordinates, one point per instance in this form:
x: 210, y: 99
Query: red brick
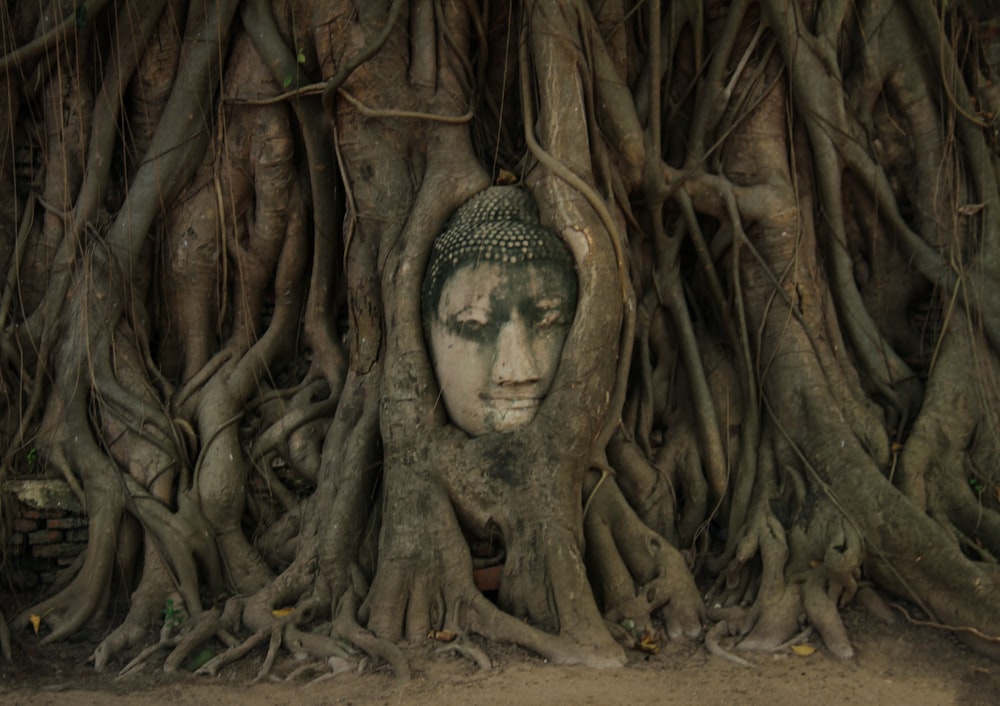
x: 67, y: 522
x: 57, y: 550
x: 24, y: 524
x: 45, y: 537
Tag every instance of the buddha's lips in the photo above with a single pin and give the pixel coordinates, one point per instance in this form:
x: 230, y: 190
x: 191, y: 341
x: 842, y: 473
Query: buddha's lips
x: 514, y: 402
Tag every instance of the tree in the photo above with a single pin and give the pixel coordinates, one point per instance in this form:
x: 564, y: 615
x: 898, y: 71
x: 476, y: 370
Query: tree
x: 781, y: 378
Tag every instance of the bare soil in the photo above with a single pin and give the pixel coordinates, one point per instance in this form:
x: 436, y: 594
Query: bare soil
x: 897, y: 663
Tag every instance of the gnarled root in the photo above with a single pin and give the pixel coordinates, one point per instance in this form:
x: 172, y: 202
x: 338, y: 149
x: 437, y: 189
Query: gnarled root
x: 806, y: 572
x: 636, y: 571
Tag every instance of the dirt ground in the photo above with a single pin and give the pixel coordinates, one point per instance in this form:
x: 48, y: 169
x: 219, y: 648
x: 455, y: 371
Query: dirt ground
x: 895, y: 664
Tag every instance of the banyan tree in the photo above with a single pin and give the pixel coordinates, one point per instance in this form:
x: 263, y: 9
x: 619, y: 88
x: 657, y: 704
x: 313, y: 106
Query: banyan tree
x: 574, y: 325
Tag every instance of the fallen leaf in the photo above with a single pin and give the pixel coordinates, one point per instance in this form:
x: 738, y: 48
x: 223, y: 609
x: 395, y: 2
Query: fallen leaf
x: 505, y: 177
x: 649, y: 645
x: 803, y: 650
x: 282, y: 612
x: 36, y: 621
x: 442, y: 635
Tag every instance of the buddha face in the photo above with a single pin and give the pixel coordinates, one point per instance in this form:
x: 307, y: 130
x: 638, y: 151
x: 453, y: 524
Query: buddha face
x: 496, y: 338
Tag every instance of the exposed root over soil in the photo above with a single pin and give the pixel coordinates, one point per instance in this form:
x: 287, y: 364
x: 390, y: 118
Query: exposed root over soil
x: 779, y: 382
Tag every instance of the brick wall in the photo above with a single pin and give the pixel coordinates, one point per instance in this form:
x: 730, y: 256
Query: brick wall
x: 49, y: 531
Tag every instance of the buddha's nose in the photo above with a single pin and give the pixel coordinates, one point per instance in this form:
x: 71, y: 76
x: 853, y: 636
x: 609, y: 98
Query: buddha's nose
x: 514, y: 362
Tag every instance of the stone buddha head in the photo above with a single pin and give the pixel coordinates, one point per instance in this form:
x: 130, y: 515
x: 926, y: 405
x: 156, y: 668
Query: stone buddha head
x: 498, y: 298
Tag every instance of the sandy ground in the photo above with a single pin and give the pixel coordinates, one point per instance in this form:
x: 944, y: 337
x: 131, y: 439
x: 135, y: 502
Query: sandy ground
x: 895, y: 664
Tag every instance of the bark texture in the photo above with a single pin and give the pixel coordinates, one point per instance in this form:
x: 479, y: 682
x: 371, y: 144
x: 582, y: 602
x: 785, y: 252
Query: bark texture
x: 779, y: 394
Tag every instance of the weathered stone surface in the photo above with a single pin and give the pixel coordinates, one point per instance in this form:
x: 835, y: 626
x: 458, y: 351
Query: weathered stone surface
x: 44, y: 494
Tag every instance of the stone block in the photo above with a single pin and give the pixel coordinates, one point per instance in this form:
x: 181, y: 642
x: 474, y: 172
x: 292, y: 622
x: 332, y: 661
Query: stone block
x: 66, y: 522
x: 26, y: 524
x: 55, y: 551
x: 41, y: 494
x: 45, y: 536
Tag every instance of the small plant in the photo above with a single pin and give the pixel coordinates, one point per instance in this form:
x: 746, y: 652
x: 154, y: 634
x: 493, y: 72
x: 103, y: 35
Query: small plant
x: 300, y: 57
x: 32, y: 457
x: 173, y: 616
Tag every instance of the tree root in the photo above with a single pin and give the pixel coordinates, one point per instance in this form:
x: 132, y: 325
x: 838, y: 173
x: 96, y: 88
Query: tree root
x: 639, y: 571
x: 213, y: 666
x: 794, y: 583
x: 712, y: 635
x: 461, y: 646
x: 126, y: 635
x: 272, y: 653
x: 140, y: 659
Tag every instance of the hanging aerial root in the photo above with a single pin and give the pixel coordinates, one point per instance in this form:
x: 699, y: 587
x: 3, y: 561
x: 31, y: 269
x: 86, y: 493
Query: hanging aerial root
x: 5, y: 639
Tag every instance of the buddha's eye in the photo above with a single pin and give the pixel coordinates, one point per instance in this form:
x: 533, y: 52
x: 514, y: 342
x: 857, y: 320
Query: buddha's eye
x: 547, y: 318
x: 471, y: 323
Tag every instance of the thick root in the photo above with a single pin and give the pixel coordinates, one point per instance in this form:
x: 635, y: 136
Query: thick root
x: 638, y: 571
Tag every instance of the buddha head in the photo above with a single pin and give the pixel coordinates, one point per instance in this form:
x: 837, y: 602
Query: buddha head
x: 498, y: 298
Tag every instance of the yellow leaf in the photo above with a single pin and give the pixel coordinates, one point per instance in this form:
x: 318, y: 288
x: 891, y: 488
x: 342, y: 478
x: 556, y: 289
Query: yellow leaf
x: 649, y: 645
x: 442, y: 635
x: 282, y: 612
x: 505, y: 177
x: 803, y: 650
x: 36, y: 621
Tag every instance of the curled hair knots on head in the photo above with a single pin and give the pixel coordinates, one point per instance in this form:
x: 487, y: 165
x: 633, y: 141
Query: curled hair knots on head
x: 499, y: 224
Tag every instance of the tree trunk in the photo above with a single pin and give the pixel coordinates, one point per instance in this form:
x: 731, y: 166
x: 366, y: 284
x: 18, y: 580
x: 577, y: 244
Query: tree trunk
x: 778, y: 392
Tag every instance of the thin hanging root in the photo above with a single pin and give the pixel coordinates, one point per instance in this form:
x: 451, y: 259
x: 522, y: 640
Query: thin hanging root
x: 995, y: 639
x: 5, y: 639
x: 712, y: 645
